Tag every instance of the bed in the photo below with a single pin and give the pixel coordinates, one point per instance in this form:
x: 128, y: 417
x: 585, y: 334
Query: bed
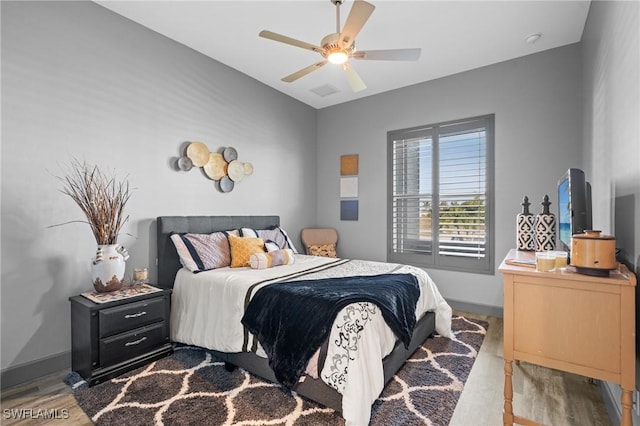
x: 197, y: 320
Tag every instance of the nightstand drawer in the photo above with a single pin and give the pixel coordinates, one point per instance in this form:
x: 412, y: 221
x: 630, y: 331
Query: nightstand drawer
x: 133, y: 315
x: 132, y: 344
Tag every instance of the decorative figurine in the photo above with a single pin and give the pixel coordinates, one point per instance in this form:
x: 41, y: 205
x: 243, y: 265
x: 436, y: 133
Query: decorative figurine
x: 545, y: 228
x: 525, y: 227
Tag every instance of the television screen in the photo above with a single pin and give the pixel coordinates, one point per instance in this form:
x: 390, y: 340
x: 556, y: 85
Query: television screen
x: 564, y: 210
x: 574, y: 206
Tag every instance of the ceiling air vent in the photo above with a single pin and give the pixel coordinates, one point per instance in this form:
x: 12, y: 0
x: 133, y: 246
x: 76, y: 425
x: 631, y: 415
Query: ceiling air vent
x: 325, y: 90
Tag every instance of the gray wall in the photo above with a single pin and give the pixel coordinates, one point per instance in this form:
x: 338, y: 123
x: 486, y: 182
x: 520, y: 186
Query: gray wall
x: 538, y: 135
x: 611, y: 91
x: 81, y: 81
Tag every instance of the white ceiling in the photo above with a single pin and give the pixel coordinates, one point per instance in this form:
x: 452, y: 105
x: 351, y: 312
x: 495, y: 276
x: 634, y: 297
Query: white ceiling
x: 455, y: 36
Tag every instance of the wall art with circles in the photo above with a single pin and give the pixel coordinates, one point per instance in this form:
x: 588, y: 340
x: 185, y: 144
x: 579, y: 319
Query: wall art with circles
x: 222, y: 166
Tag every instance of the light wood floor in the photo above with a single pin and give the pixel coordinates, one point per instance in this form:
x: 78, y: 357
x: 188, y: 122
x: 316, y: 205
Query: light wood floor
x: 540, y: 394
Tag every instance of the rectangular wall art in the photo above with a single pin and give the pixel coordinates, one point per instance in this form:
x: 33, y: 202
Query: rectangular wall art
x: 349, y: 187
x: 349, y: 165
x: 349, y: 210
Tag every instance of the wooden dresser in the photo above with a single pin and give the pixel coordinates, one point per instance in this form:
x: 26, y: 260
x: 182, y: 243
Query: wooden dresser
x: 571, y: 322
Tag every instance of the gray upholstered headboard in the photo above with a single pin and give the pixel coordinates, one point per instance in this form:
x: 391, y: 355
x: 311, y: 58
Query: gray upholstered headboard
x: 168, y: 261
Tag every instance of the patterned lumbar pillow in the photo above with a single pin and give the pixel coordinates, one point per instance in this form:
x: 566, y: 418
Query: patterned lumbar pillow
x: 202, y: 252
x: 272, y: 258
x: 242, y: 248
x: 325, y: 250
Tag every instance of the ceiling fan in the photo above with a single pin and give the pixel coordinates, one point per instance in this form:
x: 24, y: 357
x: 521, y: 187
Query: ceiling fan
x: 339, y: 47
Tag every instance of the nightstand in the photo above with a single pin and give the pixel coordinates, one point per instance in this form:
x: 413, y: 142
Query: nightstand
x: 108, y: 339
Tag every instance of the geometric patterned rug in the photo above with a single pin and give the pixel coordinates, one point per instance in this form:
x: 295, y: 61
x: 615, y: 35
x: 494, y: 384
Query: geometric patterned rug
x: 192, y: 387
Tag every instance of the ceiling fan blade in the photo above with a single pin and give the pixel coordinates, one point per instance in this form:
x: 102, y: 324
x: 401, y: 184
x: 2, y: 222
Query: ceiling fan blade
x: 389, y: 55
x: 288, y: 40
x: 353, y: 78
x: 358, y: 16
x: 304, y: 71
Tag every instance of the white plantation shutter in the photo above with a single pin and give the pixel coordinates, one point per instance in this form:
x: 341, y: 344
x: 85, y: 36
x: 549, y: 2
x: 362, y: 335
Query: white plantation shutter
x: 412, y: 195
x: 440, y: 207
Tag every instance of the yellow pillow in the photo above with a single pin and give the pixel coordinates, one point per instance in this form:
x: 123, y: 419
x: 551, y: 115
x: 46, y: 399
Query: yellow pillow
x: 242, y: 248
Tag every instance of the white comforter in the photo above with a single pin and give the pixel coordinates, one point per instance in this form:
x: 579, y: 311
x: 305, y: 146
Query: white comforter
x: 207, y: 309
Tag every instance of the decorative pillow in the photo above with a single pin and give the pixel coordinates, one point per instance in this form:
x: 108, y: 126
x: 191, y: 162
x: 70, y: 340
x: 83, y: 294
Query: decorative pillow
x: 276, y: 235
x: 202, y: 252
x: 289, y: 242
x: 242, y: 248
x: 272, y: 258
x: 248, y: 232
x: 234, y: 232
x: 325, y: 250
x: 271, y: 245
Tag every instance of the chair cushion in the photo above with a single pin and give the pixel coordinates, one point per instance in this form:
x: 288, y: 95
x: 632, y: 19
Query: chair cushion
x: 325, y: 250
x: 319, y: 237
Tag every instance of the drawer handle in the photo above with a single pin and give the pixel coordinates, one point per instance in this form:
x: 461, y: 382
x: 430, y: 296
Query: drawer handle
x: 136, y: 342
x: 139, y: 314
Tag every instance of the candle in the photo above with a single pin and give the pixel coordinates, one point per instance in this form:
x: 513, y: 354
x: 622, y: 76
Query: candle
x: 140, y: 275
x: 545, y: 261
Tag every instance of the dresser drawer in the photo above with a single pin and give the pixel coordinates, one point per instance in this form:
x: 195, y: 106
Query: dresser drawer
x: 133, y: 315
x: 129, y: 345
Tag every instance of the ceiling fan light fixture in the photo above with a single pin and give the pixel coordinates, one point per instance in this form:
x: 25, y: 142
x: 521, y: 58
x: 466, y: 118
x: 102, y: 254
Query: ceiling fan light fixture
x: 339, y: 47
x: 338, y: 57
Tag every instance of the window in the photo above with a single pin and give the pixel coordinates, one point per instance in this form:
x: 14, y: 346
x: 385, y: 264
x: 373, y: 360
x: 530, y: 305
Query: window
x: 441, y: 195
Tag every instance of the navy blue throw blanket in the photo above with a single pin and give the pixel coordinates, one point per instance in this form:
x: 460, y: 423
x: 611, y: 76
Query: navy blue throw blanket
x: 291, y: 320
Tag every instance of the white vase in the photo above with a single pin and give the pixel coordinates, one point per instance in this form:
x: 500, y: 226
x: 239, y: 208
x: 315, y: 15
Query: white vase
x: 107, y: 268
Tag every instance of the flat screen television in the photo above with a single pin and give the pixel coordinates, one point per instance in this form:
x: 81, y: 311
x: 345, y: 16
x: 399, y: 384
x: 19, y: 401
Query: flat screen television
x: 574, y: 206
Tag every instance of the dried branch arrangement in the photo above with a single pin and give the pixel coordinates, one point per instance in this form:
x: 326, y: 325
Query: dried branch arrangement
x: 101, y: 198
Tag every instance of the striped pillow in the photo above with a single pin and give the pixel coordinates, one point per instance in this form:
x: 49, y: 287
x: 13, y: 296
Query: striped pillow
x: 276, y: 235
x: 202, y: 252
x: 271, y: 245
x: 270, y: 259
